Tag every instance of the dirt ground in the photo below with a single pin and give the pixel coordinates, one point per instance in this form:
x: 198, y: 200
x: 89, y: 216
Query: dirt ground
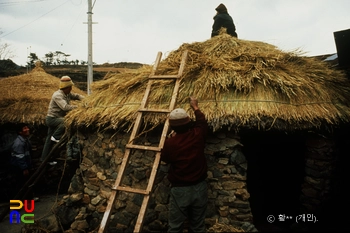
x: 42, y: 208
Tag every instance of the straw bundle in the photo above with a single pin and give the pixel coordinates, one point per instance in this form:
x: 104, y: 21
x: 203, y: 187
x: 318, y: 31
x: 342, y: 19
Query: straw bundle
x: 239, y: 83
x: 222, y: 227
x: 25, y: 98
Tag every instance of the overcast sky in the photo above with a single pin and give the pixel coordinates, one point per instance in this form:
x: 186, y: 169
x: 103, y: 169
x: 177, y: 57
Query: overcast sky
x: 135, y: 30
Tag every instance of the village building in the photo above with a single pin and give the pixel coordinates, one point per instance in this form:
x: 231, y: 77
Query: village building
x: 279, y: 130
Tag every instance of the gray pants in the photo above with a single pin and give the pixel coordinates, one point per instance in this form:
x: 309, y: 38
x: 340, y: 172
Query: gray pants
x: 189, y: 202
x: 56, y: 129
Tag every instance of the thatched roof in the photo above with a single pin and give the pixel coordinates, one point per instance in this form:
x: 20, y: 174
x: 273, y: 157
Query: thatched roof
x: 25, y: 98
x: 239, y: 83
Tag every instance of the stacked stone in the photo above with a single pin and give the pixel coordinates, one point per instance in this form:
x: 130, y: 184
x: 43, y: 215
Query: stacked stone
x: 319, y: 168
x: 102, y: 156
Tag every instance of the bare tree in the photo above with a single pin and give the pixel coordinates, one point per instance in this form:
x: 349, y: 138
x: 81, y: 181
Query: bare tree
x: 5, y: 50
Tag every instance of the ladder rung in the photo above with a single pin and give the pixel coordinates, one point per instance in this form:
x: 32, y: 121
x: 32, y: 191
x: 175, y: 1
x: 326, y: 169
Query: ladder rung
x: 164, y: 76
x: 154, y: 110
x: 131, y: 190
x: 152, y: 148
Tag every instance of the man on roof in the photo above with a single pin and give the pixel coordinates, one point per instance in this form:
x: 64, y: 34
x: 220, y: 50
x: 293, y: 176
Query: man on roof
x: 59, y: 106
x: 223, y: 19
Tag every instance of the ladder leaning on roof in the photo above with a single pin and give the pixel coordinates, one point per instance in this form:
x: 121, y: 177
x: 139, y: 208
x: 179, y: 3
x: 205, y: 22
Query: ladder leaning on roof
x: 143, y: 109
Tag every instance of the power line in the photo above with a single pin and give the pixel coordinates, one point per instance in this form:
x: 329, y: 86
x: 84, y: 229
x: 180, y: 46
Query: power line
x: 34, y: 19
x: 70, y: 30
x: 18, y: 2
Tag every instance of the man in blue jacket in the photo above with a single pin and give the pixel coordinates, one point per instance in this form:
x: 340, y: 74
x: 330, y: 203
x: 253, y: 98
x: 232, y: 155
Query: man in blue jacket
x: 21, y: 150
x: 223, y: 19
x: 21, y: 161
x: 184, y: 151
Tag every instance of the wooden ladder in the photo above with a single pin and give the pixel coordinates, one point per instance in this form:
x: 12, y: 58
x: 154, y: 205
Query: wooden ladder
x: 130, y: 146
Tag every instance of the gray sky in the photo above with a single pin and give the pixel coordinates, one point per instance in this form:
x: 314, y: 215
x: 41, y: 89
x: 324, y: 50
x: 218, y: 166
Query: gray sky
x: 135, y: 30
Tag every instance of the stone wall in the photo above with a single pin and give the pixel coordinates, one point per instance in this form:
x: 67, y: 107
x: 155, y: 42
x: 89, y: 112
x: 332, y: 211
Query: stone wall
x: 82, y: 209
x: 320, y: 164
x: 102, y: 154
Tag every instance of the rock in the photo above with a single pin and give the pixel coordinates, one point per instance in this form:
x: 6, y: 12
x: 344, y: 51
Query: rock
x: 49, y: 223
x: 96, y: 200
x: 231, y: 185
x: 76, y: 185
x: 80, y: 225
x: 76, y: 197
x: 66, y: 215
x: 101, y: 176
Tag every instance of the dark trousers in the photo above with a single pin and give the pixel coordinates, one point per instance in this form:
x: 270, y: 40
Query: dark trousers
x: 189, y: 202
x: 56, y: 129
x: 18, y: 180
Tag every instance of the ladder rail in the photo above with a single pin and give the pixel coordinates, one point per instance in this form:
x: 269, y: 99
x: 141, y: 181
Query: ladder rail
x: 139, y: 114
x: 143, y: 108
x: 122, y: 168
x: 183, y: 63
x: 143, y: 208
x: 156, y: 63
x: 144, y: 100
x: 177, y: 82
x: 140, y: 218
x: 111, y: 200
x: 106, y: 215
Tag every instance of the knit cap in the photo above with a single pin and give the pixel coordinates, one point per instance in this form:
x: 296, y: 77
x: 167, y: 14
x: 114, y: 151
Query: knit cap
x: 221, y: 8
x: 66, y: 81
x: 178, y: 117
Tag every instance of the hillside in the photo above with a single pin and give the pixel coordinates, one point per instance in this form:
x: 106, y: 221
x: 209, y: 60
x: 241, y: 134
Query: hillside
x: 77, y: 72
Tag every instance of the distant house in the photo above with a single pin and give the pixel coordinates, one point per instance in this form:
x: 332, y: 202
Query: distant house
x: 25, y: 99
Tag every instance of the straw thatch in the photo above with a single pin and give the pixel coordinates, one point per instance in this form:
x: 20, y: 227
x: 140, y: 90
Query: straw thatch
x: 239, y: 83
x: 222, y: 227
x: 25, y: 98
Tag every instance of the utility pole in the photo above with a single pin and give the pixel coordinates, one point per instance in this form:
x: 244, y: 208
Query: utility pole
x: 90, y: 76
x: 27, y: 61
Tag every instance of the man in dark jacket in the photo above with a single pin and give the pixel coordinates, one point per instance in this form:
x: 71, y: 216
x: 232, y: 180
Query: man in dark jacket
x: 21, y: 151
x: 21, y: 161
x: 223, y: 19
x: 184, y: 151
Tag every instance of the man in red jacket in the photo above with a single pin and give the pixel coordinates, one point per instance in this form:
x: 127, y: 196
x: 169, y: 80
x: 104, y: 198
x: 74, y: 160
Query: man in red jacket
x: 184, y: 151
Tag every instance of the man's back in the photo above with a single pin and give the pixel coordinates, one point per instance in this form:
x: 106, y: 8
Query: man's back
x: 185, y: 154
